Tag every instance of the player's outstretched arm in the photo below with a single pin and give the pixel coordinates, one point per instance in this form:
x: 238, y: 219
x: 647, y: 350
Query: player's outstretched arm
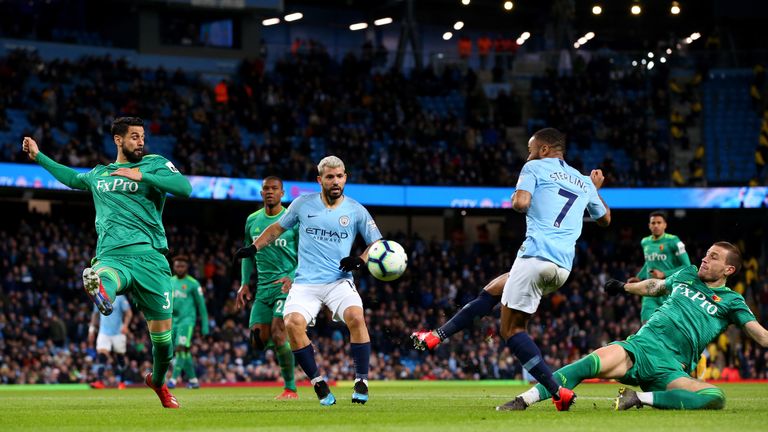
x: 268, y: 236
x: 646, y: 288
x: 757, y: 332
x: 64, y: 174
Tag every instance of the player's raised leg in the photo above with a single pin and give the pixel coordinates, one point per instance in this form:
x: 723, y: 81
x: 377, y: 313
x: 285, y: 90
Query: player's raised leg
x: 481, y: 306
x: 296, y: 327
x: 360, y: 347
x: 100, y: 290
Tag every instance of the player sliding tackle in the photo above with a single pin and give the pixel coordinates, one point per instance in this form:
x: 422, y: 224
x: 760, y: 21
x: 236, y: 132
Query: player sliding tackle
x: 554, y: 196
x: 662, y: 354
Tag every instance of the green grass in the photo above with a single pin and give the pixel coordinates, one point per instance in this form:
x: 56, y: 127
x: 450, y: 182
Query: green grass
x: 396, y: 406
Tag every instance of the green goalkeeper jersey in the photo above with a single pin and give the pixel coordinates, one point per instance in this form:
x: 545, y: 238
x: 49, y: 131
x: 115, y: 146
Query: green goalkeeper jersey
x: 277, y: 260
x: 693, y: 315
x: 188, y: 302
x: 127, y: 212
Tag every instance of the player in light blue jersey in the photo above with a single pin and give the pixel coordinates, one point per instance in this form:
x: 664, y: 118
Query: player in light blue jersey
x: 111, y: 338
x: 554, y: 196
x: 328, y: 223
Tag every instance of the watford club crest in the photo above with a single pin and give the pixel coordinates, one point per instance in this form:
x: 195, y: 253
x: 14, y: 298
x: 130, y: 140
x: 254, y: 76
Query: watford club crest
x: 716, y: 299
x: 184, y: 287
x: 661, y: 248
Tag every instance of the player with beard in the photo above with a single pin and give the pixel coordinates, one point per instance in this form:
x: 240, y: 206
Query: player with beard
x: 328, y: 223
x: 662, y: 354
x: 129, y: 195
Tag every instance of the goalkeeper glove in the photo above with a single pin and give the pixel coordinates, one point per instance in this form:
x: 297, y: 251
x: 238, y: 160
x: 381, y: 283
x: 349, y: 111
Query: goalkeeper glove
x: 614, y: 287
x: 351, y: 263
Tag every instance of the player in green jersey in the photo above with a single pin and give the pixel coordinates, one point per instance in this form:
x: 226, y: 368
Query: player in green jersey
x: 664, y: 254
x: 661, y: 355
x: 129, y: 196
x: 188, y: 303
x: 274, y: 268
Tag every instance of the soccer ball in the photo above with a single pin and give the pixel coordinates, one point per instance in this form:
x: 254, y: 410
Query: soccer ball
x: 387, y: 260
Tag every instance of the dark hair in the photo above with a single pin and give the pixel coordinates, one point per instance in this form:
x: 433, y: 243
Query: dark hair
x: 120, y: 125
x: 278, y: 179
x: 182, y: 258
x: 552, y: 137
x: 658, y: 213
x: 734, y: 255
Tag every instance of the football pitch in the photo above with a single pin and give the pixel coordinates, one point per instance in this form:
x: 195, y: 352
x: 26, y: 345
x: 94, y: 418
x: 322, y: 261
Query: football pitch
x: 398, y: 406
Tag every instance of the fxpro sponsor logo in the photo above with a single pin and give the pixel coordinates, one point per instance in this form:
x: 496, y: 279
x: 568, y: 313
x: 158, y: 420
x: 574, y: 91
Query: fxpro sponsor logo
x: 655, y: 257
x: 694, y: 296
x: 326, y: 235
x: 117, y: 185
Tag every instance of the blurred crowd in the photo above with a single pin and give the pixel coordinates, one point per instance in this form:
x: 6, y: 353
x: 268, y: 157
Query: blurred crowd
x: 260, y: 122
x: 44, y: 315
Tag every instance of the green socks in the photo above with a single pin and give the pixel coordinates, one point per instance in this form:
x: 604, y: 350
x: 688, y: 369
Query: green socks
x: 286, y: 361
x: 571, y: 375
x: 710, y: 398
x: 184, y: 363
x: 162, y: 354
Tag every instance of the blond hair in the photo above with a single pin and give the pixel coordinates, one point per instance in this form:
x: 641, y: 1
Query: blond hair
x: 330, y: 162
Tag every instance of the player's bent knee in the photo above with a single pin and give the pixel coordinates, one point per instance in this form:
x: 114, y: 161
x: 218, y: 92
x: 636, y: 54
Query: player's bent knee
x: 295, y: 322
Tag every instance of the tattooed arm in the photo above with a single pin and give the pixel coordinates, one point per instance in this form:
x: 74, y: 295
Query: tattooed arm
x: 268, y: 235
x: 647, y: 288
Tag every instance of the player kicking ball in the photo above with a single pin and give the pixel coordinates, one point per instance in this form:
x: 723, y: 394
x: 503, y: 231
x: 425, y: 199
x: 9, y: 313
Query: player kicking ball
x: 129, y: 196
x: 661, y: 355
x: 554, y: 196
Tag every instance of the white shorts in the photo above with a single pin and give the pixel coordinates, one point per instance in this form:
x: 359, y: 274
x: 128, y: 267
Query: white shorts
x: 307, y: 299
x: 529, y: 280
x: 115, y: 343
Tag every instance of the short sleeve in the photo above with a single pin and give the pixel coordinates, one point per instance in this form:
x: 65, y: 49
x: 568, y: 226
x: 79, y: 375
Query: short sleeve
x: 595, y: 207
x: 527, y: 179
x: 291, y: 216
x: 739, y: 313
x: 366, y: 226
x: 685, y: 273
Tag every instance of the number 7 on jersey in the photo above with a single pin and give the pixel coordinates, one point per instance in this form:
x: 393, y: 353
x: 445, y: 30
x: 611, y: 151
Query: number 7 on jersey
x: 571, y: 197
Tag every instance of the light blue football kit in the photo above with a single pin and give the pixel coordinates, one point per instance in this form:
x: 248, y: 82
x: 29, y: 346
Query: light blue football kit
x: 110, y: 325
x: 326, y: 236
x: 559, y: 195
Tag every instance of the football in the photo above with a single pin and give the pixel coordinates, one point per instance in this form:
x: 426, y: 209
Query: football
x: 387, y: 260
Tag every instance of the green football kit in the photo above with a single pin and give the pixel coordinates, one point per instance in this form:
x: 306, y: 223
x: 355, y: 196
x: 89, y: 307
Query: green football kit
x: 667, y: 253
x: 131, y: 239
x: 668, y: 346
x: 275, y: 261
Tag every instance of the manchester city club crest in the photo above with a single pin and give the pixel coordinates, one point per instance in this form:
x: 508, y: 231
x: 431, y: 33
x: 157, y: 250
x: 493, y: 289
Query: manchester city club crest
x: 344, y: 221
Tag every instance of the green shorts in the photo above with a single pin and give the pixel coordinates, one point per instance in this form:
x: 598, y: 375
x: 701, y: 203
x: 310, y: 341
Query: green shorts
x: 145, y: 276
x: 267, y: 305
x: 654, y: 366
x: 182, y: 334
